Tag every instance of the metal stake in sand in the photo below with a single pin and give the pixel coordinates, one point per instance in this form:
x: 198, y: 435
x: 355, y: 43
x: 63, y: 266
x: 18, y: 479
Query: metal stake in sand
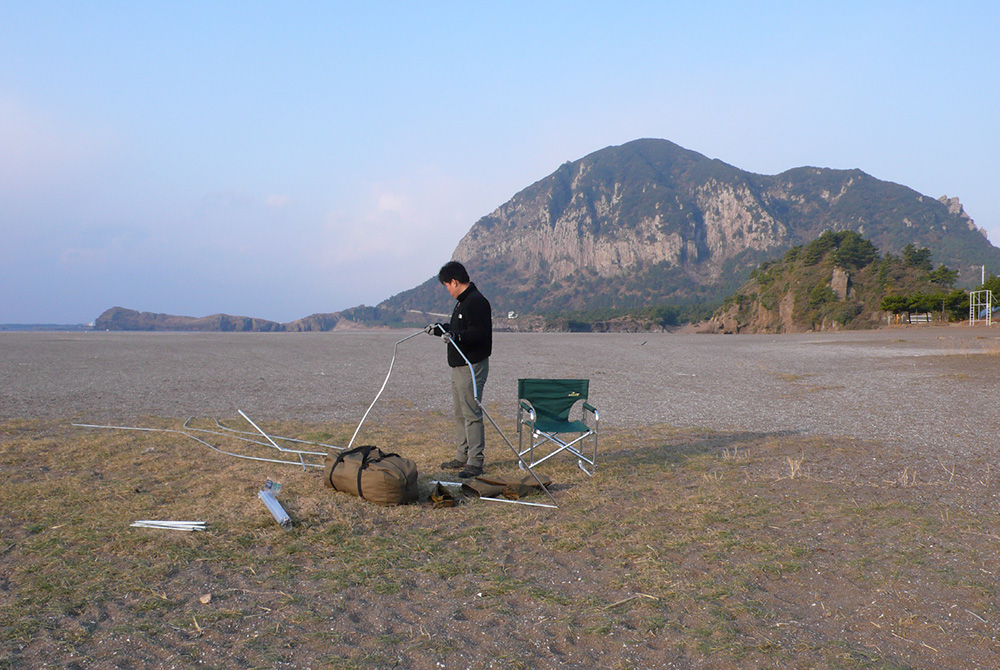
x: 518, y: 502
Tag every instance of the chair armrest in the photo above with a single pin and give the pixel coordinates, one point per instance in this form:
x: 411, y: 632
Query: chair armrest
x: 525, y: 406
x: 587, y: 407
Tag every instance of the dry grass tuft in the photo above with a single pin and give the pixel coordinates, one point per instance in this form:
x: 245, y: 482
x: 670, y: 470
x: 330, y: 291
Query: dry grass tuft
x: 794, y: 466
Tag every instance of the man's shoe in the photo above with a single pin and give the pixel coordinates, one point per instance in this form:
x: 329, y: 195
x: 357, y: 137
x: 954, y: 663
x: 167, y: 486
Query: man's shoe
x: 470, y: 471
x: 453, y: 464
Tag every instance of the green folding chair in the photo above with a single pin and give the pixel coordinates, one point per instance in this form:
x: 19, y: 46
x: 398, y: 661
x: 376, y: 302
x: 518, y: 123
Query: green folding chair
x: 543, y: 418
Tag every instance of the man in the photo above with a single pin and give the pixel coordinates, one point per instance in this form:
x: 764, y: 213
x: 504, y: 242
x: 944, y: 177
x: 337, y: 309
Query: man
x: 471, y: 329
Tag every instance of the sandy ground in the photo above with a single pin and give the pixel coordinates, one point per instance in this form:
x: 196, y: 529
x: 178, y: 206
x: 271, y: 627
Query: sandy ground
x: 930, y: 389
x: 902, y: 568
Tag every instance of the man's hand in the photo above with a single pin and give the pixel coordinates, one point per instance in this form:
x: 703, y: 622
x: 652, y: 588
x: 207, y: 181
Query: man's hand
x: 435, y: 329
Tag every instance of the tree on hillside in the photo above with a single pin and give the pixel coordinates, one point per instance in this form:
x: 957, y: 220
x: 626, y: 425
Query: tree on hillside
x: 917, y: 258
x: 943, y: 276
x: 849, y: 250
x: 820, y: 295
x: 896, y: 304
x: 816, y: 250
x: 854, y: 251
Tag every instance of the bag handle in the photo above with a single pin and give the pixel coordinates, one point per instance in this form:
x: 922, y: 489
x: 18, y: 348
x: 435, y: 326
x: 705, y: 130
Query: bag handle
x: 365, y: 452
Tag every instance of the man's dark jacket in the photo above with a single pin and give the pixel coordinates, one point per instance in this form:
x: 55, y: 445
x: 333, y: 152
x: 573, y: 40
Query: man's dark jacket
x: 472, y: 327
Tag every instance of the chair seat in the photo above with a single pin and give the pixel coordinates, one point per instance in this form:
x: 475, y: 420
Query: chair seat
x: 555, y: 426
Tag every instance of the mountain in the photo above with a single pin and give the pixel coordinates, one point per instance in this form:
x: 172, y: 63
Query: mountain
x: 650, y: 222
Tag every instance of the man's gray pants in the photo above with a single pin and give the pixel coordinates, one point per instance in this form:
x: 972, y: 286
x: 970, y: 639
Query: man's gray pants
x: 470, y: 432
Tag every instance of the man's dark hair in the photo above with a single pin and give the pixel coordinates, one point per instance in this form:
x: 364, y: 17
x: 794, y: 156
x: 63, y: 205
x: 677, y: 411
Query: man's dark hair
x: 453, y: 270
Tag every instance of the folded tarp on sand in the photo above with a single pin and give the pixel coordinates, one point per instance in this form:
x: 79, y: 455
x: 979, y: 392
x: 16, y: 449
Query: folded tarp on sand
x: 505, y: 486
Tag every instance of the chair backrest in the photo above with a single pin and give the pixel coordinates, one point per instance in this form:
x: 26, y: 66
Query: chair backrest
x: 553, y: 398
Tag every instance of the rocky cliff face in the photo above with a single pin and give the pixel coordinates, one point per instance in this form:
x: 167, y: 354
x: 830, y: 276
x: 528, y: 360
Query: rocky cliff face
x: 650, y: 222
x: 593, y: 232
x: 611, y: 218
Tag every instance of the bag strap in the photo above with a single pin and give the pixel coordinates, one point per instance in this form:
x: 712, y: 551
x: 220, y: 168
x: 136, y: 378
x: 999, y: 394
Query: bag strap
x: 365, y: 452
x: 364, y: 464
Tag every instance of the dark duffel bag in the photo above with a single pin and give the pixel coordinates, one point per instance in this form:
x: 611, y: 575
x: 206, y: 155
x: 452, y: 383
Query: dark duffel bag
x: 367, y: 472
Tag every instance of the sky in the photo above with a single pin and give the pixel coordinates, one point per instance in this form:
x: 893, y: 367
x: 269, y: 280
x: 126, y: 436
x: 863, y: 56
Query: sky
x: 280, y: 159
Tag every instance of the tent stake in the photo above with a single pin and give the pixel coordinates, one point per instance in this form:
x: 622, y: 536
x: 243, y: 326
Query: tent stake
x: 519, y: 502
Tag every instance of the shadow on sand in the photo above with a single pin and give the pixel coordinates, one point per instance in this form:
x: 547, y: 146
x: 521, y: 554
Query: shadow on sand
x: 686, y: 444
